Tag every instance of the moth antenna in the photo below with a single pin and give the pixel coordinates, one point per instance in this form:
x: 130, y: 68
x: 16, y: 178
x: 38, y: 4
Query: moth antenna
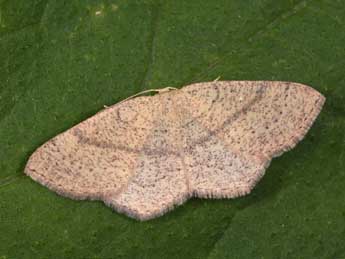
x: 215, y: 80
x: 161, y: 90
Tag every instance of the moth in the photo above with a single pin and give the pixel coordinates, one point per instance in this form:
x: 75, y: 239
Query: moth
x: 146, y: 155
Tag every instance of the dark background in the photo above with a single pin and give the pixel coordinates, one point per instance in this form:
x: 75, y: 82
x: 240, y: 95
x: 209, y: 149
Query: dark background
x: 61, y: 61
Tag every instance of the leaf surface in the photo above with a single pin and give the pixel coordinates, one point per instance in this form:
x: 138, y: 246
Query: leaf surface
x: 61, y: 61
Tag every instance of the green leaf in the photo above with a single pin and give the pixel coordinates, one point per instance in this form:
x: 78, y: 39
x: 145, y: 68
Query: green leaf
x: 61, y: 61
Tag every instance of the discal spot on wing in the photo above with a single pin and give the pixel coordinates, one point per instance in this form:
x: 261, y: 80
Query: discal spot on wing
x: 280, y: 117
x: 97, y: 156
x: 125, y: 126
x: 262, y: 119
x: 147, y: 154
x: 217, y: 104
x: 159, y: 180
